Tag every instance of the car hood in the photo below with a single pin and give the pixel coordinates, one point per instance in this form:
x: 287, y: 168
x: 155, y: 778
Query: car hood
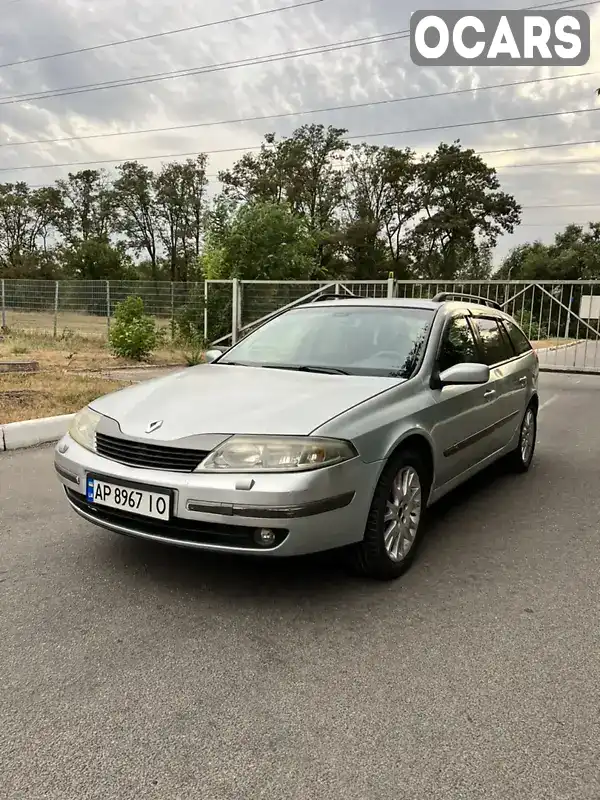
x: 213, y: 398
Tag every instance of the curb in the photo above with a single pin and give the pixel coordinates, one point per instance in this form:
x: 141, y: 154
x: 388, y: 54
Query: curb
x: 135, y: 368
x: 32, y: 432
x: 559, y: 347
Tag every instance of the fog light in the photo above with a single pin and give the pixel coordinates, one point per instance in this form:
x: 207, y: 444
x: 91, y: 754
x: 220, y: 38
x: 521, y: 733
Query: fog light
x: 264, y: 537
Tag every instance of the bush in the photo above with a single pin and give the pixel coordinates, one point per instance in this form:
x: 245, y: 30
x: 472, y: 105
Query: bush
x: 133, y: 333
x: 188, y: 325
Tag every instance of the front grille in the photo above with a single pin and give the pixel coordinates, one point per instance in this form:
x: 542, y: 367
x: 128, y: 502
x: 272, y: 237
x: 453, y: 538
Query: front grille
x: 148, y: 456
x: 184, y: 531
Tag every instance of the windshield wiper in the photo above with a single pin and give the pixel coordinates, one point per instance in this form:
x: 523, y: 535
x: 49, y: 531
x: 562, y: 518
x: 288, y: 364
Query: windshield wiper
x: 324, y: 370
x: 306, y: 368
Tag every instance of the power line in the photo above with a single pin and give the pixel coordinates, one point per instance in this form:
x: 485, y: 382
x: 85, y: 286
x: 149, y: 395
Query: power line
x: 363, y: 136
x: 476, y: 123
x: 566, y: 205
x: 537, y: 147
x: 329, y: 109
x: 208, y: 69
x: 218, y: 22
x: 553, y: 224
x: 570, y: 162
x: 576, y: 7
x: 158, y: 35
x: 174, y: 74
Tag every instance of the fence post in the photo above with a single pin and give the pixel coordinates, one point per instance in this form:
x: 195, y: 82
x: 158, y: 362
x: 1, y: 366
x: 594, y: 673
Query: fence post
x: 55, y: 308
x: 240, y: 305
x: 205, y: 310
x: 172, y: 310
x: 390, y: 284
x: 2, y: 291
x: 235, y: 296
x: 108, y: 306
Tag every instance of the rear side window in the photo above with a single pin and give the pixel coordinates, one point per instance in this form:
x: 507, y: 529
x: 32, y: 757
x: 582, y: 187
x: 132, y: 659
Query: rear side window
x: 520, y: 342
x: 494, y: 340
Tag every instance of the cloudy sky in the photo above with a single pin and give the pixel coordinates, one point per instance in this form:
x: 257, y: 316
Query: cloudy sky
x: 382, y: 71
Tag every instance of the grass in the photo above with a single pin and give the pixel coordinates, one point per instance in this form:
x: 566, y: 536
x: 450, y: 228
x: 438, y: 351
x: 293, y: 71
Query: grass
x: 74, y: 352
x: 42, y: 322
x: 59, y: 387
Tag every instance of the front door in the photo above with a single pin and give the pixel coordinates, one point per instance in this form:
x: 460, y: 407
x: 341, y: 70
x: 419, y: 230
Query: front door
x: 467, y: 414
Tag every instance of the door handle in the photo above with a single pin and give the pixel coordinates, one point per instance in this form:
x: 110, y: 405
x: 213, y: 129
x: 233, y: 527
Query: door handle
x: 522, y: 381
x: 491, y: 393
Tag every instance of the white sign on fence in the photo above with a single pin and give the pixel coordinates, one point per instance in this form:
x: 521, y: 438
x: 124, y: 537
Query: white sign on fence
x: 589, y: 307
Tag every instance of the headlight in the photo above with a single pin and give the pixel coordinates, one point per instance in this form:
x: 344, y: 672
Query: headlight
x: 276, y: 454
x: 83, y: 428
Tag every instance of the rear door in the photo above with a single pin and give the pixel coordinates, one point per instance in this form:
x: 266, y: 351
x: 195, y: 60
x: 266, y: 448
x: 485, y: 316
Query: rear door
x: 510, y: 381
x: 526, y: 365
x: 465, y: 414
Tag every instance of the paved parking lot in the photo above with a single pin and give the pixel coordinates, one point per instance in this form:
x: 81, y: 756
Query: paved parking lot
x: 135, y: 671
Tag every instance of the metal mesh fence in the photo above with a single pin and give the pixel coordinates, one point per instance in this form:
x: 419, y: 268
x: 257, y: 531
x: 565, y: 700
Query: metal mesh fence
x: 558, y: 314
x: 365, y: 289
x: 260, y: 298
x: 87, y: 307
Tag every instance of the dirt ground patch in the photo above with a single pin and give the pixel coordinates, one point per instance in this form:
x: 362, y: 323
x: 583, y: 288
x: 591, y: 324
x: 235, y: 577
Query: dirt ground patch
x: 72, y: 372
x: 547, y: 343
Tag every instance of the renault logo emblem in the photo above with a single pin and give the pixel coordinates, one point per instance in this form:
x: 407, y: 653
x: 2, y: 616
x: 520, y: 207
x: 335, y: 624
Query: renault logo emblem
x: 154, y: 426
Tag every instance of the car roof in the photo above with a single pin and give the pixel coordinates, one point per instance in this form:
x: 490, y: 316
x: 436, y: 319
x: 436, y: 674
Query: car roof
x: 404, y: 302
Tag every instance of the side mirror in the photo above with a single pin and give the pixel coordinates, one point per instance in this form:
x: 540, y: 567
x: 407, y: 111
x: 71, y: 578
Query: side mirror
x: 465, y: 375
x: 213, y: 354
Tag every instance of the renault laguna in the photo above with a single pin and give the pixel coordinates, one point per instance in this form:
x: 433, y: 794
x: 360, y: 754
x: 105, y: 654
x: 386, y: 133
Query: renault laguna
x: 333, y: 426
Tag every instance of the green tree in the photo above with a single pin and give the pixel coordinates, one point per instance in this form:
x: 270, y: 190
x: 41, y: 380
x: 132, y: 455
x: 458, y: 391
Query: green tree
x: 135, y: 190
x: 96, y: 259
x: 181, y: 207
x: 304, y: 171
x: 574, y: 255
x: 380, y: 201
x: 27, y: 227
x: 261, y: 241
x: 461, y: 207
x: 89, y: 206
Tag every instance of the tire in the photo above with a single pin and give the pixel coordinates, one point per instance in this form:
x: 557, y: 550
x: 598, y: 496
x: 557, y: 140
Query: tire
x: 371, y: 557
x: 521, y: 457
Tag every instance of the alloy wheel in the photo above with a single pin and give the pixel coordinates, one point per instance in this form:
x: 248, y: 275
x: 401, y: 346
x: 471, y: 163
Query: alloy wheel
x: 402, y: 514
x: 527, y: 436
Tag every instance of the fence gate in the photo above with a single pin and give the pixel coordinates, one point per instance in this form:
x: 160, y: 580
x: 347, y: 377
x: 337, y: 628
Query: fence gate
x: 562, y: 318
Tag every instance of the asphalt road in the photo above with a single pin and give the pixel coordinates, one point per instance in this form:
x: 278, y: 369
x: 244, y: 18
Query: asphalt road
x: 136, y: 671
x: 584, y: 356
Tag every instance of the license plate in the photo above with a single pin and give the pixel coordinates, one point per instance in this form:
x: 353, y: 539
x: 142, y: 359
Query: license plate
x: 136, y: 501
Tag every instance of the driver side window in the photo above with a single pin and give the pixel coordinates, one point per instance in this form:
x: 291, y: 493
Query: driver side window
x: 458, y: 345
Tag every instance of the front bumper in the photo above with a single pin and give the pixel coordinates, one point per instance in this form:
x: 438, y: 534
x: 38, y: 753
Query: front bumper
x: 309, y: 512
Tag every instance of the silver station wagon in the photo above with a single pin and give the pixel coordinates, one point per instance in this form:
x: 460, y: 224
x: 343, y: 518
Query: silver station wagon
x: 334, y: 425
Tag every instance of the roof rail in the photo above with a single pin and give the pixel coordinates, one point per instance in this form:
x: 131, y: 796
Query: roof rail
x: 330, y: 296
x: 484, y: 301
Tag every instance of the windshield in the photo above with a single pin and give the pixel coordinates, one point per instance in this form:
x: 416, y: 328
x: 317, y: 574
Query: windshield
x: 358, y: 340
